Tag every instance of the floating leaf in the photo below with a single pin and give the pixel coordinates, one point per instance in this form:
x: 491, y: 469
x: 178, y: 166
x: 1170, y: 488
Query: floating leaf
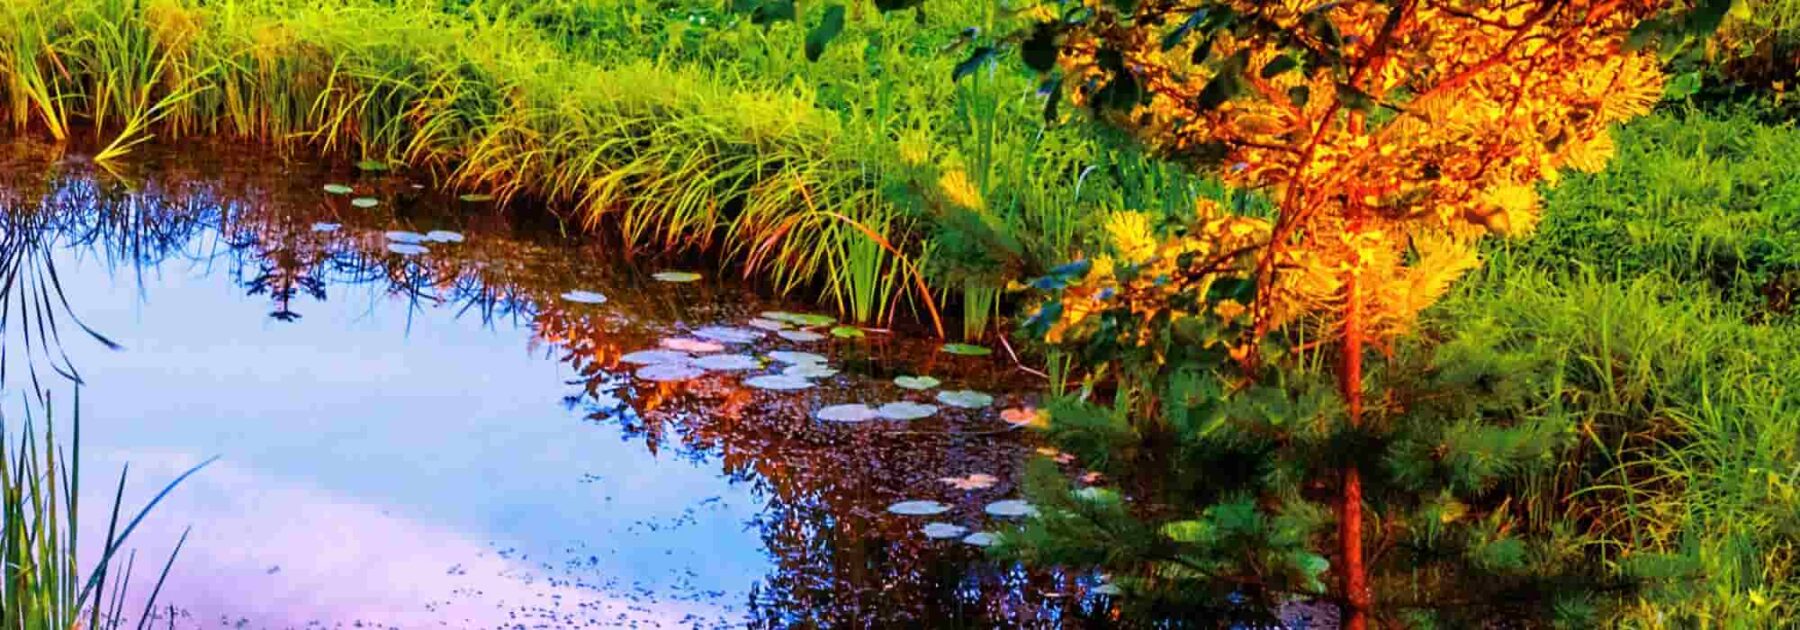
x: 1010, y: 508
x: 801, y: 336
x: 325, y: 227
x: 809, y: 370
x: 916, y: 382
x: 365, y: 202
x: 847, y: 413
x: 407, y: 249
x: 675, y: 276
x: 981, y: 539
x: 1026, y: 417
x: 778, y: 382
x: 402, y: 236
x: 339, y: 189
x: 584, y: 297
x: 727, y: 362
x: 655, y: 357
x: 670, y: 372
x: 724, y: 334
x: 940, y: 531
x: 965, y: 398
x: 443, y: 236
x: 692, y: 345
x: 800, y: 319
x: 793, y: 358
x: 918, y: 508
x: 847, y: 332
x: 1107, y: 589
x: 372, y: 166
x: 967, y: 350
x: 906, y: 410
x: 476, y: 198
x: 976, y: 481
x: 766, y: 324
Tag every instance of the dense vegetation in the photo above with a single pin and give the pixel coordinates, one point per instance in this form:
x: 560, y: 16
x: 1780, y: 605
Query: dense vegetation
x: 1639, y: 352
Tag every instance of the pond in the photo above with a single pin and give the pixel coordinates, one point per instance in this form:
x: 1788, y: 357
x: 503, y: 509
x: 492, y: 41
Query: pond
x: 448, y: 427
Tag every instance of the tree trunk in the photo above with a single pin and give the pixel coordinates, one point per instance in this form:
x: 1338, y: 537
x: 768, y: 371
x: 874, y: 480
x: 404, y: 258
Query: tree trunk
x: 1355, y: 611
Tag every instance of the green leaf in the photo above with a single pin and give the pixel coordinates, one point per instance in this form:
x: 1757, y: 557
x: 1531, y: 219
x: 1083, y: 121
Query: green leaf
x: 364, y: 202
x: 916, y: 382
x: 1682, y: 86
x: 968, y: 66
x: 338, y: 189
x: 827, y: 30
x: 1186, y: 531
x: 847, y: 332
x: 1278, y: 65
x: 476, y: 198
x: 967, y: 350
x: 1299, y: 95
x: 372, y: 166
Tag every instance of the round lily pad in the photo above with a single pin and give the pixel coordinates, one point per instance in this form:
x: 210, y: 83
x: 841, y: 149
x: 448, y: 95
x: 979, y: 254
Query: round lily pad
x: 791, y: 357
x: 403, y: 236
x: 981, y: 539
x: 809, y: 370
x: 965, y: 398
x: 443, y: 236
x: 801, y: 336
x: 846, y: 413
x: 766, y: 324
x: 916, y: 382
x: 365, y: 202
x: 967, y: 350
x: 724, y: 334
x: 476, y: 197
x: 372, y: 165
x: 584, y: 297
x: 408, y: 249
x: 338, y: 189
x: 669, y: 372
x: 676, y: 276
x: 847, y: 332
x: 778, y: 382
x: 906, y: 410
x: 325, y: 227
x: 939, y: 531
x: 727, y: 362
x: 800, y: 319
x: 656, y: 357
x: 692, y: 345
x: 1010, y: 508
x: 918, y: 508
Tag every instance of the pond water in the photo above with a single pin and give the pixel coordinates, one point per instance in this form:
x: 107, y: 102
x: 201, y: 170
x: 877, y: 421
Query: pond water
x: 453, y: 439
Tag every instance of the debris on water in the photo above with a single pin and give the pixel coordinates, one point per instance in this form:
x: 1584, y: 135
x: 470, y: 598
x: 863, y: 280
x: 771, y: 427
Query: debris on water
x: 669, y: 372
x: 981, y: 539
x: 939, y: 531
x: 656, y: 357
x: 917, y: 382
x: 727, y: 362
x: 847, y: 413
x: 1010, y: 508
x: 965, y: 398
x: 584, y: 297
x: 403, y: 236
x: 809, y: 370
x: 443, y: 236
x: 975, y: 481
x: 725, y: 334
x: 967, y: 350
x: 365, y: 202
x: 778, y: 382
x: 918, y: 508
x: 325, y: 227
x: 906, y: 410
x: 407, y: 249
x: 793, y: 358
x: 675, y: 276
x: 801, y: 336
x: 766, y: 324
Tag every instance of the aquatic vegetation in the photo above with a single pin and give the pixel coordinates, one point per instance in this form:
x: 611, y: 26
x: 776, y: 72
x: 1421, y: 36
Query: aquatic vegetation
x: 800, y: 336
x: 965, y: 398
x: 792, y: 357
x: 729, y: 335
x: 972, y: 481
x: 809, y: 370
x: 967, y: 350
x: 916, y: 382
x: 408, y: 249
x: 982, y: 539
x: 906, y: 410
x: 918, y: 508
x: 853, y: 412
x: 779, y: 382
x: 675, y: 276
x: 365, y: 202
x: 1010, y: 508
x: 656, y: 357
x: 339, y: 189
x: 584, y: 297
x: 669, y: 372
x: 943, y: 530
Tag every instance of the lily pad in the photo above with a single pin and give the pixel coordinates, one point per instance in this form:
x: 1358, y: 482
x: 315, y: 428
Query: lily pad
x: 965, y: 398
x: 800, y: 319
x: 402, y: 236
x: 766, y: 324
x: 325, y: 227
x: 692, y: 345
x: 794, y: 358
x: 906, y: 410
x: 727, y: 362
x: 1010, y: 508
x: 778, y: 382
x: 726, y: 334
x: 846, y: 413
x: 1107, y: 589
x: 847, y: 332
x: 476, y: 198
x: 917, y: 382
x: 584, y: 297
x: 372, y: 165
x: 408, y: 249
x: 800, y: 336
x: 365, y: 202
x: 443, y: 236
x: 918, y: 508
x: 967, y: 350
x: 339, y: 189
x: 981, y: 539
x: 670, y: 372
x: 809, y: 370
x: 676, y: 276
x: 940, y: 531
x: 656, y: 357
x: 1026, y: 417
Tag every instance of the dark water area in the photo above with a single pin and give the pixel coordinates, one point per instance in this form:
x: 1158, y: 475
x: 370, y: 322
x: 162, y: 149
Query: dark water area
x: 442, y: 440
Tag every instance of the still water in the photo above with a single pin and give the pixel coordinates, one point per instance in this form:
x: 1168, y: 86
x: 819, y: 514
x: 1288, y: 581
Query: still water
x: 443, y: 440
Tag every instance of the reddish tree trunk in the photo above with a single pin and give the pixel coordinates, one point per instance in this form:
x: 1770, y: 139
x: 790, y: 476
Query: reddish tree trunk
x: 1350, y: 537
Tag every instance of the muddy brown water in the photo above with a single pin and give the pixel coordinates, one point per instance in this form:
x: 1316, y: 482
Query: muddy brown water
x: 441, y: 440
